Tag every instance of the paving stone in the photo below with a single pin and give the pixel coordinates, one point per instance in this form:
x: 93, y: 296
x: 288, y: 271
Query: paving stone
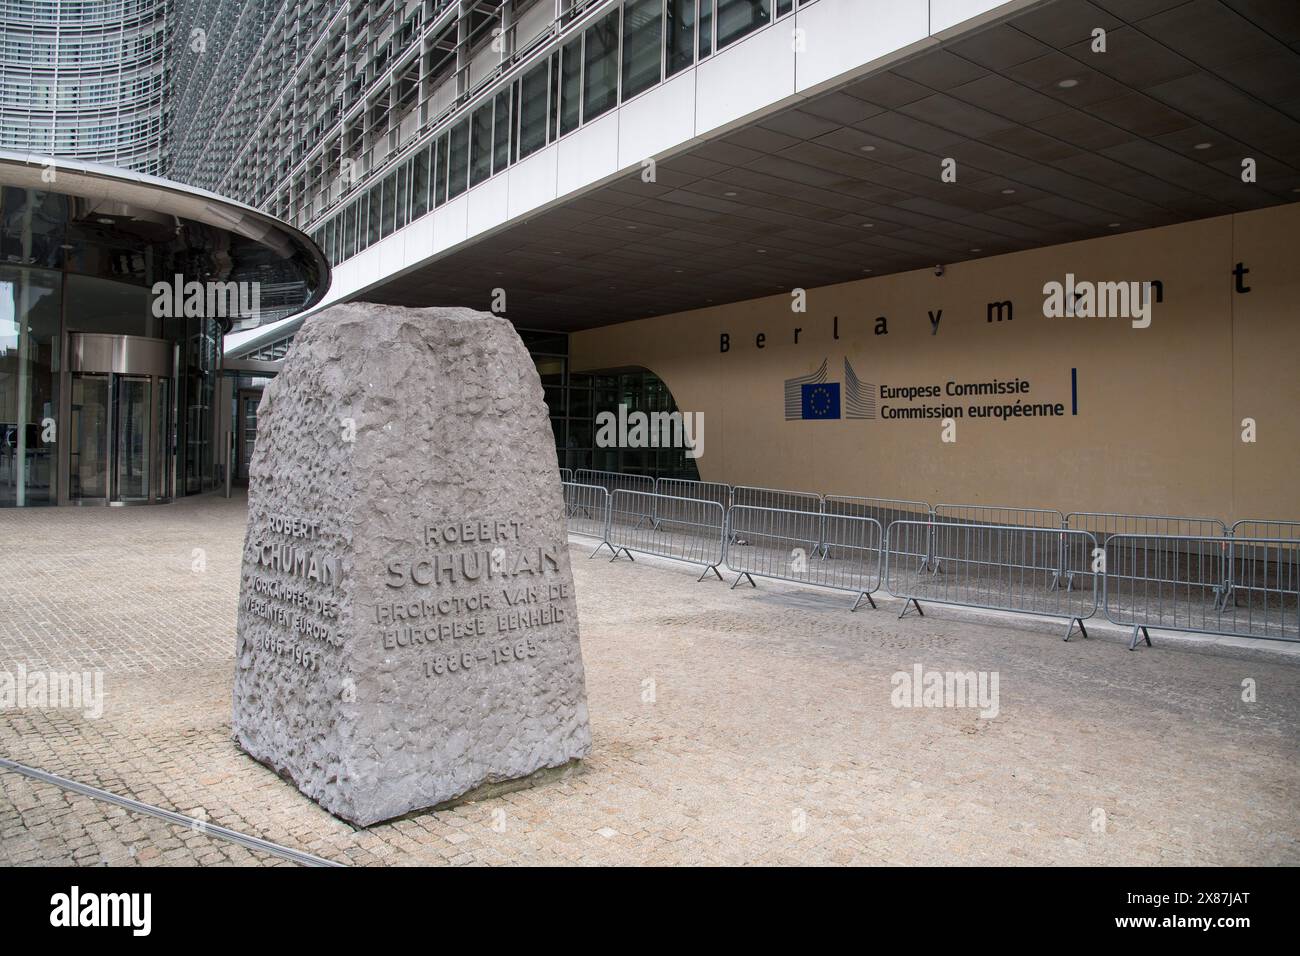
x: 767, y: 702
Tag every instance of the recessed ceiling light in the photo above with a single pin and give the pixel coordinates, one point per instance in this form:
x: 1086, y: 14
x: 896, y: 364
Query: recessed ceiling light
x: 728, y: 194
x: 868, y: 225
x: 867, y: 149
x: 1202, y: 146
x: 631, y: 227
x: 976, y: 250
x: 866, y: 270
x: 760, y: 250
x: 1113, y: 225
x: 1008, y: 192
x: 1068, y: 84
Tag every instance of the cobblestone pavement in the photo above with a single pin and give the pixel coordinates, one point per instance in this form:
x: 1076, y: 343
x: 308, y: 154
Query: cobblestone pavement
x: 746, y: 726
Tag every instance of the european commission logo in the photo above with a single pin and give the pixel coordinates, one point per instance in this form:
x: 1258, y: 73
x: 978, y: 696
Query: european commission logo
x: 821, y: 400
x: 814, y: 398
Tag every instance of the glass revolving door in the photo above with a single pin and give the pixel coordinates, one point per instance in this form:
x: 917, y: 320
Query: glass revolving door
x: 121, y: 449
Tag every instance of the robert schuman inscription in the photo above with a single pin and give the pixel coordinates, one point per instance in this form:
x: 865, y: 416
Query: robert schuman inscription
x: 516, y: 595
x: 280, y: 592
x: 408, y: 632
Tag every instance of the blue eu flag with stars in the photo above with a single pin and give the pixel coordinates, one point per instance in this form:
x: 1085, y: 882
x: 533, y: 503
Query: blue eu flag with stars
x: 821, y: 400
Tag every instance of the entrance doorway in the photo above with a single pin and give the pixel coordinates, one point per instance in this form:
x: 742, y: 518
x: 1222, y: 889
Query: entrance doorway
x: 246, y: 430
x: 120, y: 448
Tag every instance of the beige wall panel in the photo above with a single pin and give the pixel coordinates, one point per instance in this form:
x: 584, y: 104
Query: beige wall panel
x: 1266, y: 364
x: 1158, y: 423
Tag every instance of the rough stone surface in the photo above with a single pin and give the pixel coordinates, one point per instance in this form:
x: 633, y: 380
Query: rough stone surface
x: 407, y: 625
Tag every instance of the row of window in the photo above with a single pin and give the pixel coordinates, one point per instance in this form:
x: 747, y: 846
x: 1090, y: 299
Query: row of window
x: 69, y: 13
x: 71, y: 50
x: 635, y: 46
x: 109, y: 93
x: 124, y: 133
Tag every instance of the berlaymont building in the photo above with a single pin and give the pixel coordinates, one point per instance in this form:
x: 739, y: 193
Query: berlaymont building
x: 710, y: 206
x: 1031, y: 252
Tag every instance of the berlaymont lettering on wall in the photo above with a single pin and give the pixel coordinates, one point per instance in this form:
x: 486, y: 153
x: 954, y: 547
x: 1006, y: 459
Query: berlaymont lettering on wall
x: 407, y: 628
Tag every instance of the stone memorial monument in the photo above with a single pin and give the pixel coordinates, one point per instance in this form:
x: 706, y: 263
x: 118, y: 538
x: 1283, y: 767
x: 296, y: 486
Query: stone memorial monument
x: 407, y: 626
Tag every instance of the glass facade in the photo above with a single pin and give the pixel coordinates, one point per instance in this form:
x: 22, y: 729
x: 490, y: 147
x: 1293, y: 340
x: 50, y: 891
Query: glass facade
x: 575, y: 399
x: 107, y: 392
x: 86, y: 80
x: 31, y: 310
x: 640, y: 391
x: 604, y: 53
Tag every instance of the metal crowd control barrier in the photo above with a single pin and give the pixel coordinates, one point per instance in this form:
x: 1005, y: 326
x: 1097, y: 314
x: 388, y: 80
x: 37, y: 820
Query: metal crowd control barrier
x: 586, y: 511
x: 695, y: 533
x: 682, y: 488
x: 613, y: 481
x: 1257, y: 528
x: 998, y: 567
x: 1104, y: 525
x: 1176, y: 583
x: 883, y: 510
x: 807, y: 529
x: 1266, y: 528
x: 773, y: 544
x: 1002, y: 516
x: 566, y: 474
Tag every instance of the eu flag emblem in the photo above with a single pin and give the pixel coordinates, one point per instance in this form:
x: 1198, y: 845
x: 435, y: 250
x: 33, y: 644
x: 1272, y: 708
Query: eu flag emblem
x: 821, y: 400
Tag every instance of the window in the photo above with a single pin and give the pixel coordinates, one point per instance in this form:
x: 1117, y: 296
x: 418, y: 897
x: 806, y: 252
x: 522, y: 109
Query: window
x: 514, y: 119
x: 386, y: 206
x: 600, y: 77
x: 373, y: 200
x: 363, y: 201
x: 570, y: 78
x: 532, y: 111
x: 501, y: 126
x: 642, y: 28
x: 458, y: 159
x: 350, y: 231
x: 555, y: 97
x: 681, y: 35
x: 403, y: 204
x: 440, y: 171
x: 739, y: 17
x: 480, y: 166
x: 706, y: 28
x: 420, y: 182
